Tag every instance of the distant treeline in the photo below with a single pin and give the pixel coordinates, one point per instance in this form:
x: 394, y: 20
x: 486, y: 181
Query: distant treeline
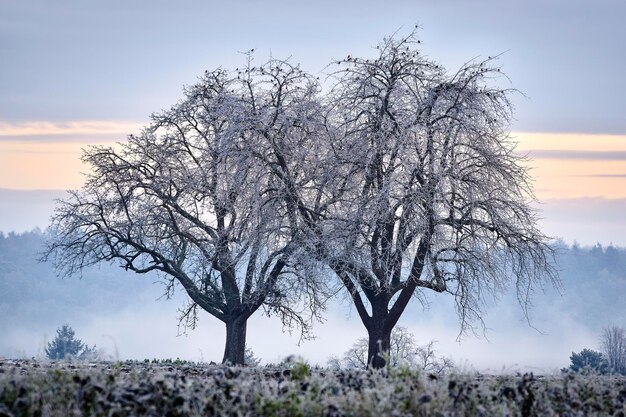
x: 31, y: 292
x: 594, y: 283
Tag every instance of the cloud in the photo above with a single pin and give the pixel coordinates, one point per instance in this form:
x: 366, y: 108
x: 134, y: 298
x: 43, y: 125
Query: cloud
x: 62, y: 131
x: 576, y: 154
x: 103, y: 60
x: 605, y: 175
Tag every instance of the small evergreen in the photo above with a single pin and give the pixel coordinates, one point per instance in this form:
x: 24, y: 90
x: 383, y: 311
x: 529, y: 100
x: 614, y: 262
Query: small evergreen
x: 66, y: 346
x: 588, y: 360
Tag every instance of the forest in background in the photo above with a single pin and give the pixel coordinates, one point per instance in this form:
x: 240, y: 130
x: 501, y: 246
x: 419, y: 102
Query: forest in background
x: 31, y: 294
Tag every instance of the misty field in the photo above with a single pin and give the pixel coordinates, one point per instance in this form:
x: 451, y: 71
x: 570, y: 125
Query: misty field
x: 30, y: 388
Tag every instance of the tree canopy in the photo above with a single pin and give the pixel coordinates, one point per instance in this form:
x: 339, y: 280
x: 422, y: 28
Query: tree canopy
x: 428, y: 193
x: 199, y: 196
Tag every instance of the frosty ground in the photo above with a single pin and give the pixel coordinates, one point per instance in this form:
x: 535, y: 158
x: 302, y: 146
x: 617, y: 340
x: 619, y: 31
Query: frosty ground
x: 31, y: 388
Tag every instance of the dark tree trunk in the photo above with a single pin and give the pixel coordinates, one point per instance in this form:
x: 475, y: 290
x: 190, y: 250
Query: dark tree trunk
x: 378, y: 347
x: 379, y: 332
x: 235, y: 340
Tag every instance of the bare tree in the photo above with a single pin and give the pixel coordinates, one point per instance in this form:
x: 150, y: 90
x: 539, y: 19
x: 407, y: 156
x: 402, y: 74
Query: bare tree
x: 402, y: 347
x: 429, y: 194
x: 197, y: 198
x: 426, y: 359
x: 613, y: 343
x: 356, y: 356
x: 403, y: 351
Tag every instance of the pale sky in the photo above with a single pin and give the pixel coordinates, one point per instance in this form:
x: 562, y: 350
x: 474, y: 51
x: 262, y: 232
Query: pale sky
x: 75, y: 73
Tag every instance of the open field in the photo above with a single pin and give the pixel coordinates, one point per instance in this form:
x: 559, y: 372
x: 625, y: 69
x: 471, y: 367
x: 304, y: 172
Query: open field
x: 30, y: 388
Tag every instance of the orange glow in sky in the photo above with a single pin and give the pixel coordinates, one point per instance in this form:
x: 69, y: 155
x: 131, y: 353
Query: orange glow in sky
x: 73, y: 128
x: 46, y: 156
x: 572, y: 165
x: 40, y: 166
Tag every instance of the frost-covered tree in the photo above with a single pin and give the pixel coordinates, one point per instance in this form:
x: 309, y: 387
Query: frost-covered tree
x: 613, y: 341
x: 403, y: 351
x: 66, y: 345
x: 356, y: 356
x: 426, y: 358
x: 199, y: 198
x: 432, y: 195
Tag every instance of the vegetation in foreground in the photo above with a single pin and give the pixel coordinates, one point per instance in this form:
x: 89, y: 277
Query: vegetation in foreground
x: 29, y: 388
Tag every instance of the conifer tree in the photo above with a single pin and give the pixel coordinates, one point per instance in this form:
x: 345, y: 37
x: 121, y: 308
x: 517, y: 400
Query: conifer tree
x: 65, y: 345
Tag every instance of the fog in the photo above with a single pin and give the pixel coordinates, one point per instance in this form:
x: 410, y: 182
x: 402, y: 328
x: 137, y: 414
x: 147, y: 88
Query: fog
x: 126, y: 317
x: 150, y: 331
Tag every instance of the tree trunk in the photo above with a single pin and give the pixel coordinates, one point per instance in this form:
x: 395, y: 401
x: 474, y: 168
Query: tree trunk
x: 379, y: 332
x: 235, y: 340
x: 378, y: 347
